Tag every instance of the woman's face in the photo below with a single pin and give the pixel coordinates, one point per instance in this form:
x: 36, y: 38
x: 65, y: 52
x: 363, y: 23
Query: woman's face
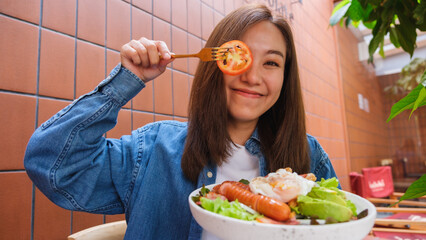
x: 253, y: 92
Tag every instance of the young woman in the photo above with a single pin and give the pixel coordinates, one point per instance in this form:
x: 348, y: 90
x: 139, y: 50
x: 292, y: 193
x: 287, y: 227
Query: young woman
x: 239, y: 127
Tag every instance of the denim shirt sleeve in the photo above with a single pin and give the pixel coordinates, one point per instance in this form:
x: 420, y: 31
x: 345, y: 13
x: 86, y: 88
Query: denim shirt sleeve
x: 73, y: 164
x: 320, y: 162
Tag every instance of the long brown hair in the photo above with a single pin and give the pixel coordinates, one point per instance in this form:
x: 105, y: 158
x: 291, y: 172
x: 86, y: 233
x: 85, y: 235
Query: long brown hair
x: 281, y: 129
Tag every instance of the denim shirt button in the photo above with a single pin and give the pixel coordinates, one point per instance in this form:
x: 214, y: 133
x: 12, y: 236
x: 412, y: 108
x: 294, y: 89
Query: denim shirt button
x: 209, y: 174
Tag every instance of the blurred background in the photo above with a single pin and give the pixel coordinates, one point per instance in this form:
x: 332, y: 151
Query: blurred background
x: 53, y: 51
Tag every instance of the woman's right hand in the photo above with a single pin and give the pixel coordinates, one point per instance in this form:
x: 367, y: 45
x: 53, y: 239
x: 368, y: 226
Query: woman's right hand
x: 142, y: 57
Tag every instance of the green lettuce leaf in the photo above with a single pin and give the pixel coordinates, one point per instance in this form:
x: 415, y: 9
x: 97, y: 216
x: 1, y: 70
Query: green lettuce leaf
x: 331, y: 182
x: 229, y: 209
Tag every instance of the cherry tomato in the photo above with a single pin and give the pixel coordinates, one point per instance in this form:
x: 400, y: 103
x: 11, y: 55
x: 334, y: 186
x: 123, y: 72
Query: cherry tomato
x: 238, y: 59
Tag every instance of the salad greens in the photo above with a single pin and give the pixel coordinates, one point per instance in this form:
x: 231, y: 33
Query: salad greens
x: 229, y: 209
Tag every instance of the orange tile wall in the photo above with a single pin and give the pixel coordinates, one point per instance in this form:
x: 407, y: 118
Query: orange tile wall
x: 368, y: 136
x: 55, y: 50
x: 407, y: 135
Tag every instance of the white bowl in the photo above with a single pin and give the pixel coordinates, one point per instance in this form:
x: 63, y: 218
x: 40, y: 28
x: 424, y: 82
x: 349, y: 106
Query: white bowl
x: 231, y: 228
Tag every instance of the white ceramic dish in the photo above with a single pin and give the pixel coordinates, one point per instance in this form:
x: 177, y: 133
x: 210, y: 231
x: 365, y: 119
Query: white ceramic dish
x: 230, y: 228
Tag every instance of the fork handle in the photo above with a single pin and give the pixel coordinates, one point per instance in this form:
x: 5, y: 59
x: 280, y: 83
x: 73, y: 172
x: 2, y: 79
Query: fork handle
x: 183, y: 55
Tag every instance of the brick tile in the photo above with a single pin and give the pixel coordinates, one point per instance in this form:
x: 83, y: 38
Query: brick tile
x: 163, y: 93
x: 194, y: 45
x: 90, y: 67
x: 217, y: 17
x: 159, y: 117
x: 219, y: 6
x: 143, y: 4
x: 57, y: 58
x: 228, y: 7
x: 180, y: 46
x: 162, y: 9
x: 340, y: 167
x: 46, y: 215
x: 114, y: 218
x: 124, y: 125
x: 49, y: 107
x: 145, y: 99
x: 207, y: 23
x: 180, y: 119
x: 345, y: 182
x: 162, y: 31
x: 28, y: 10
x: 180, y: 94
x: 209, y: 2
x: 140, y: 119
x: 19, y: 123
x: 179, y: 13
x: 82, y: 220
x: 91, y: 21
x: 118, y: 24
x: 19, y: 42
x: 141, y: 24
x: 15, y: 199
x: 194, y: 16
x: 113, y: 58
x: 60, y: 15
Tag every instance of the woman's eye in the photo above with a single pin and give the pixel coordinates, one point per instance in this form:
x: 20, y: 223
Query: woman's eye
x: 272, y: 63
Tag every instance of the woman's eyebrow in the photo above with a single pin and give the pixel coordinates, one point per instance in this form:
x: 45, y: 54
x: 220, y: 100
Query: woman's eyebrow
x: 275, y: 52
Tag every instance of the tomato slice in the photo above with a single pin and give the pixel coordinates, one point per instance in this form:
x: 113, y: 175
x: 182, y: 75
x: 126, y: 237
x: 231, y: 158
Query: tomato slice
x: 238, y: 59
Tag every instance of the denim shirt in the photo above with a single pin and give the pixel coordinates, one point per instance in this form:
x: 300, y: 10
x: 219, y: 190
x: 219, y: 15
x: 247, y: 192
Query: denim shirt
x: 76, y: 167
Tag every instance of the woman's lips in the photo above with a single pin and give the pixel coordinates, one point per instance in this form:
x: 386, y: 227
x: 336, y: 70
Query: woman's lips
x: 248, y: 93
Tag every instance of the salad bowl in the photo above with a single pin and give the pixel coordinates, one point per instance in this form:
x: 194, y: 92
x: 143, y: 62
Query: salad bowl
x: 230, y: 228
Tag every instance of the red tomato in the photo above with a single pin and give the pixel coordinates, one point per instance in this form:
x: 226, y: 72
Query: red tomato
x: 238, y: 59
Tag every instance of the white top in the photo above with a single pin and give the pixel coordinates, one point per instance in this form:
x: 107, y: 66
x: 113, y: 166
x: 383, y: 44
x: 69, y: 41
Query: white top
x: 240, y: 165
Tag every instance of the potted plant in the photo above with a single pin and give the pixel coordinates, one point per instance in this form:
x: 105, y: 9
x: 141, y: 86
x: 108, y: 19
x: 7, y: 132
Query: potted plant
x: 401, y: 19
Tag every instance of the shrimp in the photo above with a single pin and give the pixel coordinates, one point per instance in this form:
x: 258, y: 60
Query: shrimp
x: 265, y: 205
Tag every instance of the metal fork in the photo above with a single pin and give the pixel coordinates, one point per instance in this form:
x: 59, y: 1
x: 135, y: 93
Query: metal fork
x: 207, y: 54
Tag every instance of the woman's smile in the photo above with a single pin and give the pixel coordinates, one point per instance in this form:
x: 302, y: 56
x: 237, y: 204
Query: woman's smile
x: 248, y: 93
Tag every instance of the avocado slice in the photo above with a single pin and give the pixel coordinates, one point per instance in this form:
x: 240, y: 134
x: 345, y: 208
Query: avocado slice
x: 323, y: 209
x: 327, y: 194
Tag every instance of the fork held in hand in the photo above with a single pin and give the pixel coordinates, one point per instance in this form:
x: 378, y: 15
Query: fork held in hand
x: 207, y: 54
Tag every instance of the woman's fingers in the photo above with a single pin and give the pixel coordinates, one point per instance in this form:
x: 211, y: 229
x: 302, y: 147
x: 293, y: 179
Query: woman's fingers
x: 163, y: 49
x: 150, y: 53
x: 130, y: 53
x: 145, y: 58
x: 140, y: 53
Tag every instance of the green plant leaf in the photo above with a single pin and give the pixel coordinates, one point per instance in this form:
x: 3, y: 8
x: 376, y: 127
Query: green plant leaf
x: 420, y: 15
x: 339, y: 12
x: 355, y: 11
x: 415, y: 190
x: 394, y: 37
x: 406, y: 103
x: 406, y: 32
x: 369, y: 25
x: 381, y: 51
x: 340, y: 5
x: 379, y: 33
x: 421, y: 98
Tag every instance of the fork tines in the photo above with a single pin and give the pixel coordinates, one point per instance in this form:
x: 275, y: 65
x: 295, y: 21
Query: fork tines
x: 219, y: 53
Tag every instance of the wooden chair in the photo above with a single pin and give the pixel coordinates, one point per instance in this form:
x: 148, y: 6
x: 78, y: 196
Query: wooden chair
x: 379, y: 190
x: 412, y: 207
x: 107, y: 231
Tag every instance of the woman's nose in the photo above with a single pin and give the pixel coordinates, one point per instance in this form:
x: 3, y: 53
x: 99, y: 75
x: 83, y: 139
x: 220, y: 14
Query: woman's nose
x: 252, y: 76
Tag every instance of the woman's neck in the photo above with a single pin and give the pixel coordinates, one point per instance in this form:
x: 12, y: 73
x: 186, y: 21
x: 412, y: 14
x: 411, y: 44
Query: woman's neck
x: 240, y: 132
